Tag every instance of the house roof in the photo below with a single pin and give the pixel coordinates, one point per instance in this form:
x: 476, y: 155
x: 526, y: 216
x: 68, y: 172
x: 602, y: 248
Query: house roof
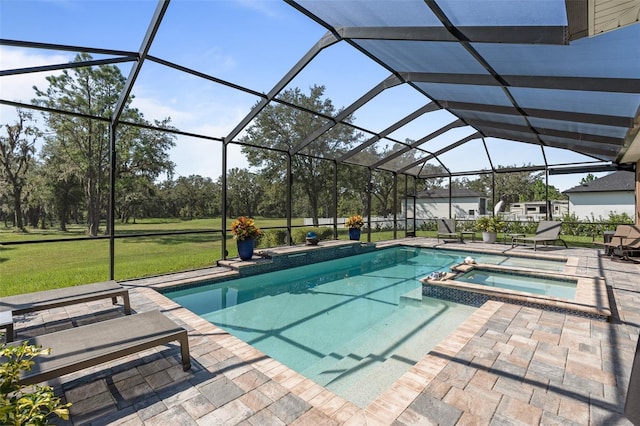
x: 621, y: 180
x: 455, y: 193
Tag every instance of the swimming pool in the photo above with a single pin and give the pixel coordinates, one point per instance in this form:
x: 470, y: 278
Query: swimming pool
x: 562, y: 288
x: 353, y: 325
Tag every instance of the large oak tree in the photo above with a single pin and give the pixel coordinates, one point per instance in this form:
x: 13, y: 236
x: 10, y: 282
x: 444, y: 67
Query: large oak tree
x: 16, y: 158
x: 285, y: 128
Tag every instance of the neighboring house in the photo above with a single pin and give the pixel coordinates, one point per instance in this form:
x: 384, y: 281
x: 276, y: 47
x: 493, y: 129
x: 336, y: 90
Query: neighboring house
x: 435, y: 204
x: 614, y: 193
x: 538, y: 209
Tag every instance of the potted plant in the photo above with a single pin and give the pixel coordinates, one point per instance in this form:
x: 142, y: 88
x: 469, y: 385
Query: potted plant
x: 354, y: 223
x: 489, y: 226
x: 245, y: 232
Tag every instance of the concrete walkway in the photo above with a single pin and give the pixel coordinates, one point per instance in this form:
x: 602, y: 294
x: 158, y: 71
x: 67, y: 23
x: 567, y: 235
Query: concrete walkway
x: 506, y: 364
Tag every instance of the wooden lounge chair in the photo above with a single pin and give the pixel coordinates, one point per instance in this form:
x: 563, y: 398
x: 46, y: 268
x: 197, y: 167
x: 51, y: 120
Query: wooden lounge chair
x: 447, y: 230
x: 548, y: 232
x: 48, y: 299
x: 78, y: 348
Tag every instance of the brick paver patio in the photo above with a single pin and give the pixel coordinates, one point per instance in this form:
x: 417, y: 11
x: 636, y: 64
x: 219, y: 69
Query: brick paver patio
x: 507, y: 364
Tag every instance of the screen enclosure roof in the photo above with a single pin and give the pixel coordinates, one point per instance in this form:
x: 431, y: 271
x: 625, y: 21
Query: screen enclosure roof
x: 455, y: 80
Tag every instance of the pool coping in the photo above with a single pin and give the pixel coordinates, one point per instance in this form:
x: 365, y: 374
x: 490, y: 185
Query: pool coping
x: 591, y: 297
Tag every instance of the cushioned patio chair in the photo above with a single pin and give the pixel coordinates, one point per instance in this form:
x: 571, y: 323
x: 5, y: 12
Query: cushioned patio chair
x: 548, y: 232
x: 447, y: 230
x: 89, y: 345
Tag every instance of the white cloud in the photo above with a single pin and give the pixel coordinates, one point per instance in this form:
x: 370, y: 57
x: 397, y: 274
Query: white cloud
x: 20, y: 87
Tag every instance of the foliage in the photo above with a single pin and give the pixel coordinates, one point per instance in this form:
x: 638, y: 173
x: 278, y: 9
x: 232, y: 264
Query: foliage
x: 78, y: 145
x: 588, y: 178
x: 244, y: 192
x: 287, y: 130
x: 572, y: 225
x: 244, y: 228
x: 16, y: 158
x: 354, y: 222
x: 322, y: 232
x: 273, y: 238
x: 489, y: 224
x: 25, y: 404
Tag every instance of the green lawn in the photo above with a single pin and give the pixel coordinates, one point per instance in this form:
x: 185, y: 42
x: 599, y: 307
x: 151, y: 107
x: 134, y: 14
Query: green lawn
x: 33, y: 267
x: 40, y: 266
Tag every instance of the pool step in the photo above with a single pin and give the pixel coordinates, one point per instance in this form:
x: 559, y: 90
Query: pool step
x: 411, y: 298
x: 360, y: 372
x: 350, y: 359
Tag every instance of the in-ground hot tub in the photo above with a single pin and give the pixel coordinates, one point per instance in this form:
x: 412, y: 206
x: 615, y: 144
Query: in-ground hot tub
x: 564, y: 292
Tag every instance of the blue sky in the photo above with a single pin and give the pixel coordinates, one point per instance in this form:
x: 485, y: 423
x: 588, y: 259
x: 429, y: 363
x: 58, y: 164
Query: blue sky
x: 246, y: 42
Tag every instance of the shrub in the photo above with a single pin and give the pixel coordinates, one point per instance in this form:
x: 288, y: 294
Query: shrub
x: 322, y: 232
x: 18, y: 407
x: 489, y: 224
x: 273, y: 238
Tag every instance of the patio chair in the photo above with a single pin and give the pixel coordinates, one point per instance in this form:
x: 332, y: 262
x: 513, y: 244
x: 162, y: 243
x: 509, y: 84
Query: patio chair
x: 548, y: 232
x: 89, y: 345
x: 447, y: 230
x: 622, y: 231
x: 631, y: 242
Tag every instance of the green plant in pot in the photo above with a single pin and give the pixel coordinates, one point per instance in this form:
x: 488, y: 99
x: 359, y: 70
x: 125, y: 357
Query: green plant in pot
x: 354, y: 223
x: 489, y: 226
x: 245, y: 232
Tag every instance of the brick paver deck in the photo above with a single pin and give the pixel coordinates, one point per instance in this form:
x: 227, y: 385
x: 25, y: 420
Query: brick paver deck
x: 507, y: 364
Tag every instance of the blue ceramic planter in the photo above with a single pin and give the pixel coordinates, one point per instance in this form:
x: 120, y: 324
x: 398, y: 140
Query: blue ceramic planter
x: 354, y: 234
x: 245, y: 249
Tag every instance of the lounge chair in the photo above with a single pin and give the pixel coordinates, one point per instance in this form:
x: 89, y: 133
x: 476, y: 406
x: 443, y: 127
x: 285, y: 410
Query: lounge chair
x: 49, y: 299
x: 86, y: 346
x: 447, y: 230
x: 548, y: 232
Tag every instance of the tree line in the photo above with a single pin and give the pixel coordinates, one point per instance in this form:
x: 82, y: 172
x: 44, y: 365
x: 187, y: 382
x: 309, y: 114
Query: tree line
x: 68, y: 180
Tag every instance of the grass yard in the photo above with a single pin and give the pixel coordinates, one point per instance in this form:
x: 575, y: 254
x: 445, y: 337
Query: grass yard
x: 41, y: 266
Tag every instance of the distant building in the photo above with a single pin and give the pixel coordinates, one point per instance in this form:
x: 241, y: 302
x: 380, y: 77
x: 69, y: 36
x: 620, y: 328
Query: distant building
x: 537, y: 210
x: 430, y: 204
x: 614, y: 193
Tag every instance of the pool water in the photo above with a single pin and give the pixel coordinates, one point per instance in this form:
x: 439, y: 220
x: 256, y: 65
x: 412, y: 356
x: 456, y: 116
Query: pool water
x: 353, y: 325
x: 565, y: 289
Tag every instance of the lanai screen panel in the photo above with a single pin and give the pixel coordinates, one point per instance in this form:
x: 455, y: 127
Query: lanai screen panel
x: 506, y: 68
